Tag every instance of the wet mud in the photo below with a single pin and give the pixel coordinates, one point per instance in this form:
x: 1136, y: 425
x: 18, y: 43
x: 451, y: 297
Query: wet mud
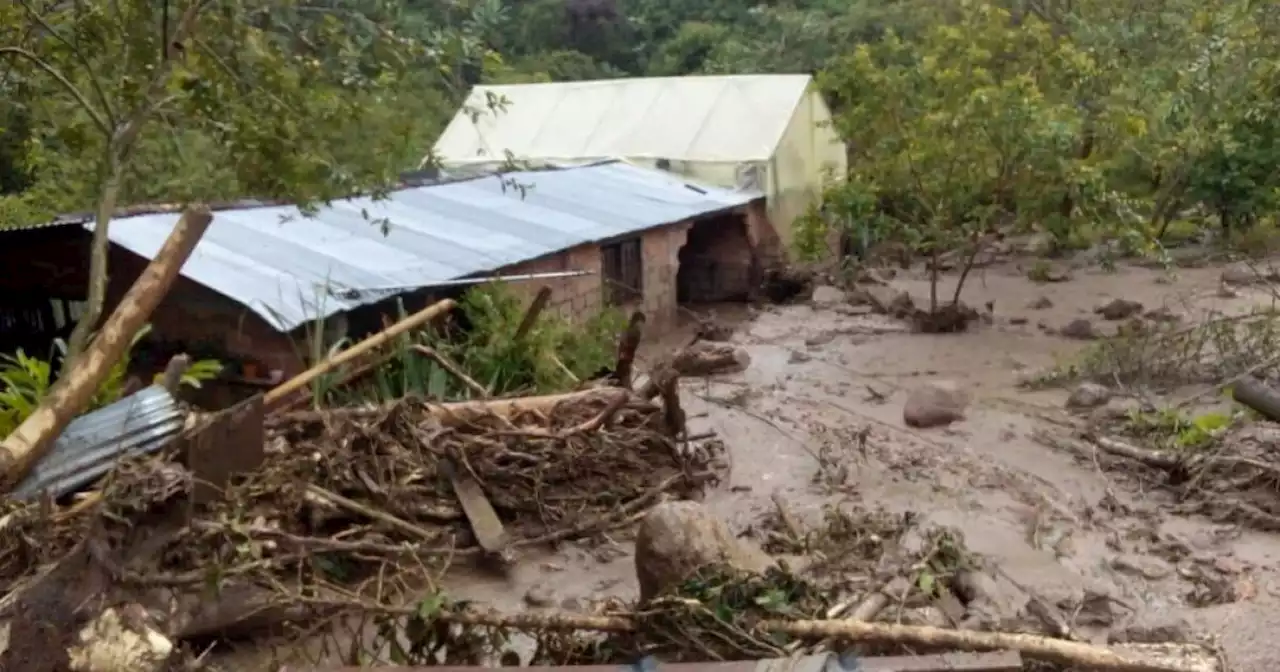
x: 817, y: 419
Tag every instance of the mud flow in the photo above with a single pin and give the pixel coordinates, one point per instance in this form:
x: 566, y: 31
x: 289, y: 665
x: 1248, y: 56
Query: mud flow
x: 817, y: 420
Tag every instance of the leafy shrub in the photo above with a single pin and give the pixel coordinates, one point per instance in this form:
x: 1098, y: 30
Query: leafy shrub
x: 25, y: 380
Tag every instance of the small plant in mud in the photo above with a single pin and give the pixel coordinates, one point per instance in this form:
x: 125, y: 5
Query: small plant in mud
x: 1171, y: 429
x: 1040, y: 272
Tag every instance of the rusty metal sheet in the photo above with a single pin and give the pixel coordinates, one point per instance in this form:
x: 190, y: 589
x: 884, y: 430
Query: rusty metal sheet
x: 1000, y: 661
x: 226, y: 444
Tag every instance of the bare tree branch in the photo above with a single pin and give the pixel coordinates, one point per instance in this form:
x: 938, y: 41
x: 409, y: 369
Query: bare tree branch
x: 94, y: 113
x: 79, y: 54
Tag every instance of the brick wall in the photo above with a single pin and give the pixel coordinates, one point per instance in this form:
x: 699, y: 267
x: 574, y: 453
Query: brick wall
x: 580, y: 298
x: 661, y: 266
x: 575, y: 298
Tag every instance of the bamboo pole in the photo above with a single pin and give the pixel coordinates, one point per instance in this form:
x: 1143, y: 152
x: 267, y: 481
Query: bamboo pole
x: 22, y: 449
x: 299, y: 382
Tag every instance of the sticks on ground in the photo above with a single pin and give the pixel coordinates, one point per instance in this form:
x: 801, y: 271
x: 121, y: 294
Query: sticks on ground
x: 1134, y: 658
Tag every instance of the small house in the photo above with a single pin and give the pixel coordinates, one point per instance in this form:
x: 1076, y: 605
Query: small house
x: 268, y: 285
x: 769, y: 133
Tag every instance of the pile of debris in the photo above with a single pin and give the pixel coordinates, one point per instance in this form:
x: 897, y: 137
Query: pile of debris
x: 341, y: 510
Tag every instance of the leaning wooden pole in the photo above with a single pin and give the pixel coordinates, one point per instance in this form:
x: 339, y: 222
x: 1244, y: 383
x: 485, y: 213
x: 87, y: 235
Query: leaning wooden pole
x: 278, y: 395
x: 75, y: 388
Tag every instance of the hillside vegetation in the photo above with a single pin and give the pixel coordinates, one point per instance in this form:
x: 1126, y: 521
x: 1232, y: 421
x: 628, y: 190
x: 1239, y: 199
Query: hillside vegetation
x: 1140, y: 121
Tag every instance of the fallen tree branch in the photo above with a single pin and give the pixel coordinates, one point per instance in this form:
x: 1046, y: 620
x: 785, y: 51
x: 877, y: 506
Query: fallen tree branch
x: 454, y: 370
x: 463, y: 412
x: 627, y: 346
x: 283, y: 392
x: 1153, y: 458
x: 1259, y: 396
x: 1091, y: 444
x: 1132, y: 658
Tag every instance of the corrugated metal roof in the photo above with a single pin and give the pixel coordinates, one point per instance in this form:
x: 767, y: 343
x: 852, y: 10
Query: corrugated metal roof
x: 291, y: 269
x: 140, y: 423
x: 708, y: 118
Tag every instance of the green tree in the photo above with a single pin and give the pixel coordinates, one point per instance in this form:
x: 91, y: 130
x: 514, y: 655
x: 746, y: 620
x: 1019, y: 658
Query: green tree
x: 951, y: 135
x: 206, y: 100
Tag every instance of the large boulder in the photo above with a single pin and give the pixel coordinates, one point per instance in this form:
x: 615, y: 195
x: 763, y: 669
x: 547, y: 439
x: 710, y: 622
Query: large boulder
x: 935, y: 404
x: 677, y: 539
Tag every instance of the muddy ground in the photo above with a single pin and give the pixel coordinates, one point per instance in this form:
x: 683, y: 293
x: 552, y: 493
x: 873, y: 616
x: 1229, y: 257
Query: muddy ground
x: 821, y: 373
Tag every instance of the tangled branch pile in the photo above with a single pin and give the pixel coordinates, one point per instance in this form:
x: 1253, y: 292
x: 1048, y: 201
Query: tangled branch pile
x: 1157, y: 357
x: 1236, y: 480
x: 346, y: 497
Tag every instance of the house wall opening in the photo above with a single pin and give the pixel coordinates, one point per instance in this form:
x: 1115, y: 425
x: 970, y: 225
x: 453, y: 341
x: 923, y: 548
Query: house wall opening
x: 622, y: 268
x: 717, y: 262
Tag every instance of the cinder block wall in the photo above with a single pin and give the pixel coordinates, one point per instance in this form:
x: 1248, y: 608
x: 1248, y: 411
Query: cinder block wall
x: 581, y: 298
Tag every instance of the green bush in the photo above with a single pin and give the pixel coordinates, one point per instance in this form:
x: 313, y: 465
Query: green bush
x: 548, y: 359
x: 25, y: 380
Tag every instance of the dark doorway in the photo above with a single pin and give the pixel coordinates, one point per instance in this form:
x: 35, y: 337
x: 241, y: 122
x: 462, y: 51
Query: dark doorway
x: 717, y: 263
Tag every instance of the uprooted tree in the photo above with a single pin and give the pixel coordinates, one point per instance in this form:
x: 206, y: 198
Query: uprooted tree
x: 201, y: 100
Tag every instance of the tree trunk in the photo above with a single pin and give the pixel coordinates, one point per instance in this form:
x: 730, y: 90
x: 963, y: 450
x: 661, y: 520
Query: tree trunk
x: 78, y: 383
x: 98, y: 271
x: 120, y: 145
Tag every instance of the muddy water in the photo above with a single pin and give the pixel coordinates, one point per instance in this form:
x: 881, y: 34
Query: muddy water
x: 821, y: 373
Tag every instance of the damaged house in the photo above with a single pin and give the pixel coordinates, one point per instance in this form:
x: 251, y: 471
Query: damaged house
x: 265, y: 279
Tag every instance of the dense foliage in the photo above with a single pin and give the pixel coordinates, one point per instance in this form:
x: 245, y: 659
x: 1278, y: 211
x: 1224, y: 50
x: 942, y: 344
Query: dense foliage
x: 1083, y: 119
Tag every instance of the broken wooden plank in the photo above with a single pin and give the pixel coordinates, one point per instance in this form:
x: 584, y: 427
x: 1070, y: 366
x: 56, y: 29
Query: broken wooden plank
x: 490, y: 534
x: 224, y: 445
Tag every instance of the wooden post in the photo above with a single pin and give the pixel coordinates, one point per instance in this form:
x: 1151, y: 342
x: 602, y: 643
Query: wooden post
x: 71, y: 394
x: 627, y: 346
x: 300, y: 381
x: 531, y: 316
x: 173, y: 373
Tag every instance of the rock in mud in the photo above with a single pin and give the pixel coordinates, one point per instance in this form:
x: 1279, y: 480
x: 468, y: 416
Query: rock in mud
x: 887, y: 301
x: 1088, y: 395
x: 787, y: 285
x: 935, y: 404
x: 826, y: 295
x: 819, y: 339
x: 539, y: 596
x: 676, y: 539
x: 1242, y: 276
x: 1147, y: 567
x: 1041, y: 303
x: 1152, y: 631
x: 875, y: 276
x: 1079, y: 329
x: 1162, y: 314
x: 1119, y: 309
